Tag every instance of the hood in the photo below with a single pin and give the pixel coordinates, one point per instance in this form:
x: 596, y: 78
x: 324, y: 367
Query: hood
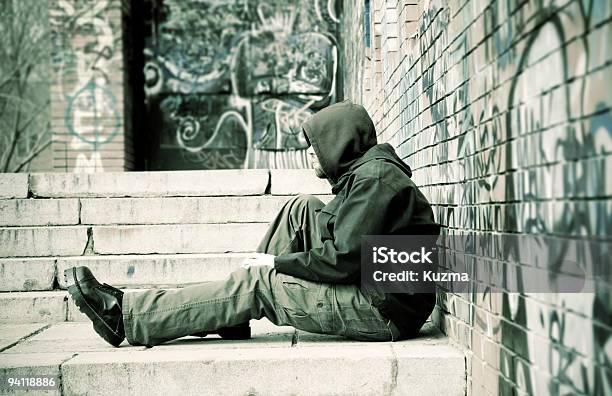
x: 383, y: 152
x: 340, y: 134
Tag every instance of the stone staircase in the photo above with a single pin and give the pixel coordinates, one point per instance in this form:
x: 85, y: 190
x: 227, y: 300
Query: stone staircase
x: 171, y: 229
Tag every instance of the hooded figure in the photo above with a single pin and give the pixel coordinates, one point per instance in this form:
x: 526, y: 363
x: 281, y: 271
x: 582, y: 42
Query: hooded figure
x: 374, y: 196
x: 307, y: 271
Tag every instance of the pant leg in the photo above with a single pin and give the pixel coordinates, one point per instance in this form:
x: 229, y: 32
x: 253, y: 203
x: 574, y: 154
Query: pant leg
x: 337, y: 310
x: 156, y: 316
x: 294, y: 229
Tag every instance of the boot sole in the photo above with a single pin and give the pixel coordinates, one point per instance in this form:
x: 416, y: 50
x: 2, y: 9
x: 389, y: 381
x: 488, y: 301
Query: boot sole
x: 235, y: 333
x: 83, y: 306
x: 230, y: 333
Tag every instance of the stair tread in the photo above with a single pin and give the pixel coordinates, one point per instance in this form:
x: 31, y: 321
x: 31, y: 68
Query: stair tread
x: 124, y: 270
x: 169, y: 183
x: 147, y: 184
x: 273, y: 361
x: 157, y: 270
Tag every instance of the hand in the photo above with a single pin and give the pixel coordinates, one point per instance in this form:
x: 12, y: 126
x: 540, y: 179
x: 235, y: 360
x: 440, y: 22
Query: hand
x: 259, y: 259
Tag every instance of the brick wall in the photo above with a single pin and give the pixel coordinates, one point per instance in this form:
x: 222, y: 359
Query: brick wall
x: 502, y: 109
x: 87, y: 87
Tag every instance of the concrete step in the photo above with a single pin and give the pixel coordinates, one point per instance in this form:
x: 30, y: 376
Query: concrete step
x: 27, y: 274
x: 168, y: 210
x: 39, y: 212
x: 162, y: 184
x: 12, y: 333
x: 177, y: 238
x: 184, y: 210
x: 231, y: 182
x: 138, y: 271
x: 160, y: 271
x: 149, y: 184
x: 297, y: 181
x: 42, y: 241
x: 13, y: 185
x: 277, y: 360
x: 130, y: 239
x: 33, y: 307
x: 41, y: 307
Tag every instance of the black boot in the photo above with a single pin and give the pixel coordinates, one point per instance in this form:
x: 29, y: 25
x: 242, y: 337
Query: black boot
x: 100, y: 302
x: 241, y: 331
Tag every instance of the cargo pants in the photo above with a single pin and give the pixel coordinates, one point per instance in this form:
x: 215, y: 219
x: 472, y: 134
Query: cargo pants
x: 158, y: 315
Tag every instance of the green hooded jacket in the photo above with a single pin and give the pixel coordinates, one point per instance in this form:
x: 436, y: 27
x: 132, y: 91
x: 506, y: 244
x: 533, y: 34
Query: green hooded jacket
x: 374, y: 195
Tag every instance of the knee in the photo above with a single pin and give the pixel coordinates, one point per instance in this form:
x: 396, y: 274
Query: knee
x: 256, y: 273
x: 258, y: 279
x: 309, y: 201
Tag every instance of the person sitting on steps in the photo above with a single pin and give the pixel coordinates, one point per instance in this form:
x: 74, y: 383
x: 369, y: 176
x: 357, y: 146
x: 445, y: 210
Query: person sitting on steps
x: 306, y: 270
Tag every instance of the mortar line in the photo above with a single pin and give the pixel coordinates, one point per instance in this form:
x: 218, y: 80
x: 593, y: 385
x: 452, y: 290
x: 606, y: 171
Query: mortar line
x: 24, y: 338
x: 294, y: 338
x: 66, y: 304
x: 268, y: 190
x: 394, y: 371
x: 61, y: 384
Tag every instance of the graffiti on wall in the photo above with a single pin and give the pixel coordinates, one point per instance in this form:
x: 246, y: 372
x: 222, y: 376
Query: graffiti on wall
x: 85, y: 52
x: 546, y: 103
x: 536, y: 113
x: 230, y: 82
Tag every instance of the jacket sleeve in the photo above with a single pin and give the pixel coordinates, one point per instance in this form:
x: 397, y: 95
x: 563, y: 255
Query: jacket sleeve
x: 364, y: 211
